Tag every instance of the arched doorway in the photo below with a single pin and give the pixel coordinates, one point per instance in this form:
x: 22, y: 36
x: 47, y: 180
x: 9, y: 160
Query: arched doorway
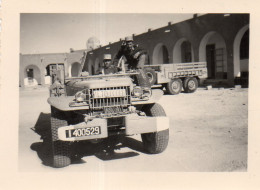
x: 213, y: 50
x: 90, y: 66
x: 32, y: 75
x: 160, y: 55
x: 241, y: 51
x: 96, y: 66
x: 183, y: 51
x: 47, y: 76
x: 75, y: 69
x: 92, y: 69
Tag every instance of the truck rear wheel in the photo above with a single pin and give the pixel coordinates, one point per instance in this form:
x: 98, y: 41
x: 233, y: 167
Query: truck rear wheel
x: 156, y: 142
x: 60, y: 149
x: 190, y: 84
x: 174, y: 86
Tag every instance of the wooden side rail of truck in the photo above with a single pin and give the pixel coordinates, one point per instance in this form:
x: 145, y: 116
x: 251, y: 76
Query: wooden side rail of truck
x: 174, y: 76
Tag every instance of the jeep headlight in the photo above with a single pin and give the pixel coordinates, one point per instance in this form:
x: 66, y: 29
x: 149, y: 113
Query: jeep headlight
x: 142, y: 93
x: 137, y: 91
x: 82, y: 96
x: 147, y: 92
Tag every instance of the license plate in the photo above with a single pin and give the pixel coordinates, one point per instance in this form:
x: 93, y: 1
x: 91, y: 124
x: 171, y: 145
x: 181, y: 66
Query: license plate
x: 81, y: 132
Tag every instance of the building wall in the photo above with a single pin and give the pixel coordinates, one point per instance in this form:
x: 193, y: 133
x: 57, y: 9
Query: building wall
x: 39, y: 62
x: 199, y: 31
x: 74, y: 59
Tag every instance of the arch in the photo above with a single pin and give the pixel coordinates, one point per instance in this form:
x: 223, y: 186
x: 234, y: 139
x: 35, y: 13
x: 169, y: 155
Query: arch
x: 90, y: 64
x: 47, y: 74
x: 92, y: 69
x: 202, y: 47
x: 75, y: 69
x: 236, y: 50
x: 32, y: 75
x: 160, y: 54
x: 68, y: 69
x: 213, y: 50
x: 96, y: 66
x: 183, y: 54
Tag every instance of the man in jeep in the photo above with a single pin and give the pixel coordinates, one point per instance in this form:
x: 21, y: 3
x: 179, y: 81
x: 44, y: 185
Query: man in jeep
x: 136, y: 59
x: 108, y: 67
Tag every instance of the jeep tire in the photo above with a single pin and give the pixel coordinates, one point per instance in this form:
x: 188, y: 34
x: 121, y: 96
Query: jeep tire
x: 174, y: 86
x: 156, y: 142
x: 60, y: 149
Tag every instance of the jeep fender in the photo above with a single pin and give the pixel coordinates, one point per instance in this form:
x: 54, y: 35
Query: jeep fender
x: 156, y: 96
x: 63, y: 103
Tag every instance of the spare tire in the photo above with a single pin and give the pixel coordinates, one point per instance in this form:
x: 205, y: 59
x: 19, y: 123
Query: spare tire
x: 151, y: 75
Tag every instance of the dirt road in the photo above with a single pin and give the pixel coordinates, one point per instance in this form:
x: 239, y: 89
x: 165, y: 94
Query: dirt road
x: 208, y: 132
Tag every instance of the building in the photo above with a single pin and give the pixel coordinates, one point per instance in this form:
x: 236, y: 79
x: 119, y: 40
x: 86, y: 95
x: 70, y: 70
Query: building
x: 222, y: 40
x: 35, y: 68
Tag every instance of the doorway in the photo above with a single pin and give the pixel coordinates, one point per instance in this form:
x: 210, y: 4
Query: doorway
x: 186, y: 52
x: 160, y: 55
x: 210, y: 58
x: 30, y: 76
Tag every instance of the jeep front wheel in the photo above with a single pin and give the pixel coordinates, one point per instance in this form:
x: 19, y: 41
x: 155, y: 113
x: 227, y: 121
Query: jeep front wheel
x: 60, y: 149
x: 156, y: 142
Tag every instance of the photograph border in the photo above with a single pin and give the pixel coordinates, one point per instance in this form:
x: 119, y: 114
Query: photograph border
x: 9, y: 90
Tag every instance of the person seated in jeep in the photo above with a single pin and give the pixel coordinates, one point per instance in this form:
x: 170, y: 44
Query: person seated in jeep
x: 108, y: 67
x: 135, y: 58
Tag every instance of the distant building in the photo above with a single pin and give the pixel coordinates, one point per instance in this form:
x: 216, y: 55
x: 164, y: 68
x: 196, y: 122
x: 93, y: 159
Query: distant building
x: 93, y: 43
x: 35, y: 68
x: 222, y: 40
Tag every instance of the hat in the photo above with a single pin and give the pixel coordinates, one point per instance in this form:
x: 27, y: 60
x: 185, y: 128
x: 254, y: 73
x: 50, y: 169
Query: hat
x: 129, y: 38
x: 107, y: 56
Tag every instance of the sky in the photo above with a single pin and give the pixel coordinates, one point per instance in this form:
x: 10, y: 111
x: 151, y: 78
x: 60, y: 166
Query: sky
x: 57, y: 33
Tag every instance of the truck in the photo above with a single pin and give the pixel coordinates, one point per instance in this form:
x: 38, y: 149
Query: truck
x: 94, y: 108
x: 175, y: 76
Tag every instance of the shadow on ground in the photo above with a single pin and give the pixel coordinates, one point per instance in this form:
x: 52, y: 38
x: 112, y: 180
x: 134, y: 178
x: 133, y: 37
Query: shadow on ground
x: 105, y: 150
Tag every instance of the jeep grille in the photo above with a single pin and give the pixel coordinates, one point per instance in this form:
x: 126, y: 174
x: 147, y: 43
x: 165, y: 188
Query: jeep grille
x: 110, y: 97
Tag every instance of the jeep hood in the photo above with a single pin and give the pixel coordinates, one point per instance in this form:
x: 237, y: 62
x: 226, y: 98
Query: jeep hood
x: 100, y: 82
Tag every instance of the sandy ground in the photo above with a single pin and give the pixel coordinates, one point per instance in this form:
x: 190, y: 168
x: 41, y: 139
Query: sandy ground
x: 208, y: 132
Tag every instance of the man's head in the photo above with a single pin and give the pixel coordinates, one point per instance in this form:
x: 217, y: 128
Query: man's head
x: 129, y: 42
x: 107, y: 60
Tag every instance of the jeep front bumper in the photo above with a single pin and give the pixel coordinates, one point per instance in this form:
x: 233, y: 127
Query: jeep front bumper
x: 98, y: 128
